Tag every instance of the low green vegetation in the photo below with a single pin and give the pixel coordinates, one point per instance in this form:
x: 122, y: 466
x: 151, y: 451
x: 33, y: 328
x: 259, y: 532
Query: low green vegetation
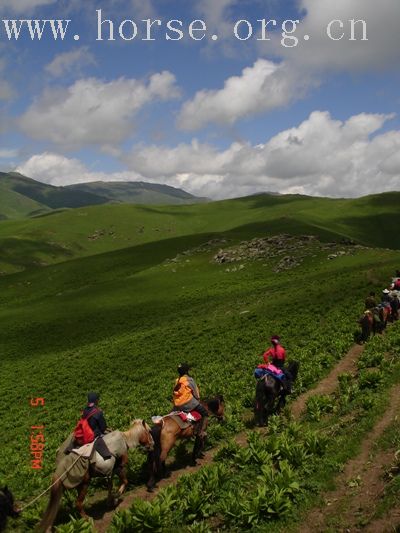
x: 117, y: 316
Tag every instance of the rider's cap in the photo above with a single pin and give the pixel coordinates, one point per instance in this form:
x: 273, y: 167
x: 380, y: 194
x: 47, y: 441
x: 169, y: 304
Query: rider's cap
x: 385, y: 291
x: 275, y: 338
x: 184, y: 367
x: 93, y: 397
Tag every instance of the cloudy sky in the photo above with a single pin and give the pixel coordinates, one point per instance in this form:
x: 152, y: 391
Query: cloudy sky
x: 236, y: 103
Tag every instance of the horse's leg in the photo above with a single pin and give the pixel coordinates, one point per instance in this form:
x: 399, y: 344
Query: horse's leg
x: 82, y: 491
x: 198, y: 448
x: 168, y: 439
x: 281, y: 403
x: 122, y: 475
x: 110, y: 497
x: 52, y: 507
x: 152, y: 470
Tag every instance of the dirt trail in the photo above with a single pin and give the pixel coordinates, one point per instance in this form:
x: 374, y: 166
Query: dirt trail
x: 329, y: 384
x: 347, y: 364
x: 351, y: 505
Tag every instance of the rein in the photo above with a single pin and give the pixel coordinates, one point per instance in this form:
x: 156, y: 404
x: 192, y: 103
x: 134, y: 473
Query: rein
x: 51, y: 486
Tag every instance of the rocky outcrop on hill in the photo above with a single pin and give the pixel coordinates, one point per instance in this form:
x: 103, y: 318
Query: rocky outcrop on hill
x: 286, y: 251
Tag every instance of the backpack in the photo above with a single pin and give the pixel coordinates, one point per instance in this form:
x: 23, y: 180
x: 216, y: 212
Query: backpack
x: 83, y: 433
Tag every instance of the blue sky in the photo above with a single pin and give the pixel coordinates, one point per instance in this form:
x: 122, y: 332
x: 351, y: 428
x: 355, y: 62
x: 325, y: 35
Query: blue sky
x: 218, y: 118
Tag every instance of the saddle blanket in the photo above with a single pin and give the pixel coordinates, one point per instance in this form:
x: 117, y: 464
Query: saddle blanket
x: 184, y: 420
x: 268, y: 369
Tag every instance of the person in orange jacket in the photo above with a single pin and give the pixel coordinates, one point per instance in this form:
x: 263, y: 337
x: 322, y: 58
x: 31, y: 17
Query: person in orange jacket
x: 186, y: 396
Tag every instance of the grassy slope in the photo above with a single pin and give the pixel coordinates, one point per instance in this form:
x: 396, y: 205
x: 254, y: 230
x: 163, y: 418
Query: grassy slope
x: 120, y: 321
x: 15, y: 205
x: 137, y: 192
x: 88, y: 231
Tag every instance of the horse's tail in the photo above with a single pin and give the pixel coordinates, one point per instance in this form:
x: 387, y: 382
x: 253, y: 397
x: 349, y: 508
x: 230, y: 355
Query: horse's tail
x: 52, y: 507
x: 153, y: 458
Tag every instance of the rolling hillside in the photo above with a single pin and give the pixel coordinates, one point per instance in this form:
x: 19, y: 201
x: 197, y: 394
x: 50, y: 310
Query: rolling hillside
x: 21, y: 196
x: 137, y: 193
x: 112, y: 297
x: 58, y: 236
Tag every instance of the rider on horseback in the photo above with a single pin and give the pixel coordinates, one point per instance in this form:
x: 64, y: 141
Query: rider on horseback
x: 186, y: 396
x: 277, y: 354
x: 94, y: 417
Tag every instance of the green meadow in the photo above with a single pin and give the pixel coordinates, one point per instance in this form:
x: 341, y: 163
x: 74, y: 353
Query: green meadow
x: 111, y: 298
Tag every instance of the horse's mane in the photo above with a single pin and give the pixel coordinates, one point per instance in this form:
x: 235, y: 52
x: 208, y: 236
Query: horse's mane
x: 132, y: 434
x: 214, y: 403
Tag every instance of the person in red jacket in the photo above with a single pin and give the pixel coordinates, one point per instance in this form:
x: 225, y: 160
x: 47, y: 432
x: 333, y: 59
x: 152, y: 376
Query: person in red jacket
x: 276, y: 355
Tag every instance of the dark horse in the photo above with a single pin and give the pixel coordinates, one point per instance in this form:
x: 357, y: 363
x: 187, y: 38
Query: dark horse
x: 166, y: 433
x: 7, y: 507
x: 268, y: 390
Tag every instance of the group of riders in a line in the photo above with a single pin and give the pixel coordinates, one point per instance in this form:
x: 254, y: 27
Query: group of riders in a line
x: 92, y: 426
x: 377, y: 314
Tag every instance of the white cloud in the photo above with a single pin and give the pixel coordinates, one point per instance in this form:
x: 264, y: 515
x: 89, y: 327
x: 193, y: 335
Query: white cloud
x: 321, y: 156
x: 92, y: 111
x: 23, y: 6
x: 142, y: 9
x: 262, y: 87
x: 65, y: 62
x: 350, y: 158
x: 320, y: 53
x: 57, y: 169
x: 266, y: 85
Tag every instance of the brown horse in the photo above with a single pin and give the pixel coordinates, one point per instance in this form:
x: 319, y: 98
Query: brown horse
x: 166, y: 433
x: 118, y: 442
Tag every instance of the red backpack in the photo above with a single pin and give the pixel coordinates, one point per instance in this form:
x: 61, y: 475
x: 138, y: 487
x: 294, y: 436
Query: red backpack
x: 83, y: 433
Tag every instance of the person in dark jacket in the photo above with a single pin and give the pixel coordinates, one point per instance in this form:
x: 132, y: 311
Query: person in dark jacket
x: 395, y: 306
x: 370, y: 301
x: 98, y: 423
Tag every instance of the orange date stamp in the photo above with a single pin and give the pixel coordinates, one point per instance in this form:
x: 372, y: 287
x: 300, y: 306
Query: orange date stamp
x: 37, y: 438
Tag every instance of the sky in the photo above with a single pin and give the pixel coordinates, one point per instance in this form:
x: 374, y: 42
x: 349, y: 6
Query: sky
x: 222, y: 98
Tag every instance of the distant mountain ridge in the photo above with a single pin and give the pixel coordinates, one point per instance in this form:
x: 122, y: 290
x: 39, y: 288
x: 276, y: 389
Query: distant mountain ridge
x: 21, y: 196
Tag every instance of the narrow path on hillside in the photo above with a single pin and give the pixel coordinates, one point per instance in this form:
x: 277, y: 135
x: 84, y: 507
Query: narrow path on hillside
x: 326, y: 386
x: 347, y: 364
x: 351, y: 506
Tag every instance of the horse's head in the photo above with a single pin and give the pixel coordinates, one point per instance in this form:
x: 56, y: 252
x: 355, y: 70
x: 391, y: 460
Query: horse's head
x: 216, y: 407
x: 139, y: 434
x: 145, y: 437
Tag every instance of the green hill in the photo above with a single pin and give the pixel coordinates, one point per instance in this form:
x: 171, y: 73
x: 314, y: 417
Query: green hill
x: 128, y: 292
x: 57, y: 236
x: 137, y: 192
x: 22, y: 196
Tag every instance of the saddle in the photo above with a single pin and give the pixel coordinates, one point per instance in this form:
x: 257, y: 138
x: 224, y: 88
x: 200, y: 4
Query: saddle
x: 269, y: 370
x: 184, y: 420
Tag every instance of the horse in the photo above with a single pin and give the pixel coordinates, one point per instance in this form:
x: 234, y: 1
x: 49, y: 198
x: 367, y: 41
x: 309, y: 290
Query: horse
x: 268, y: 389
x: 7, y: 507
x: 168, y: 431
x: 367, y: 324
x: 118, y: 442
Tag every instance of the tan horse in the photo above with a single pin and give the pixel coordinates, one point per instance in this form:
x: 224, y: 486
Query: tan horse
x: 166, y: 433
x: 75, y: 471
